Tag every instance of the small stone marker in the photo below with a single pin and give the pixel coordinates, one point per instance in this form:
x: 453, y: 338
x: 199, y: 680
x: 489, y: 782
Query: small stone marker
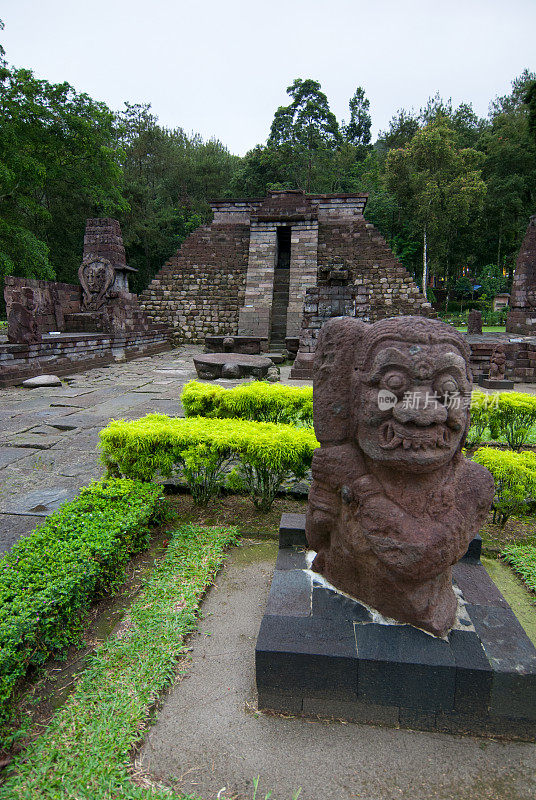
x: 41, y: 380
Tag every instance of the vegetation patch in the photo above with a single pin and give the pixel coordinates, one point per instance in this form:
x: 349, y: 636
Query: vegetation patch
x: 515, y: 480
x: 49, y: 578
x: 522, y: 559
x: 258, y: 401
x: 86, y: 751
x: 261, y: 455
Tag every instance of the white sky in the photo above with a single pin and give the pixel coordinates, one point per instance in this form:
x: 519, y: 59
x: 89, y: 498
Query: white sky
x: 221, y: 67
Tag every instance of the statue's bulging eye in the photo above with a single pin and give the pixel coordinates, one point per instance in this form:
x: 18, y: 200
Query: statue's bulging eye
x: 394, y: 381
x: 447, y: 385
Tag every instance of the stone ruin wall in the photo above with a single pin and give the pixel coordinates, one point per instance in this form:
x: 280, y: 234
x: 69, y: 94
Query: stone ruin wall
x: 375, y: 271
x: 200, y: 290
x: 207, y: 288
x: 55, y: 300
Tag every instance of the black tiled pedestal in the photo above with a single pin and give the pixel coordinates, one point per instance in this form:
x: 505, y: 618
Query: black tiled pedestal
x: 320, y: 653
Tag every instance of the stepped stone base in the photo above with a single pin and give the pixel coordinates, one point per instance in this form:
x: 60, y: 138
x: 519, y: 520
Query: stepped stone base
x: 321, y: 653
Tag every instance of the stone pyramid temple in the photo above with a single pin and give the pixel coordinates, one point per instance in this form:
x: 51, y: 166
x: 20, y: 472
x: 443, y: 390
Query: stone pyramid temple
x: 270, y: 268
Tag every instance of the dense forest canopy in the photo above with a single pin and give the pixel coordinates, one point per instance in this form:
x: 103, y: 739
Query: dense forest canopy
x: 450, y: 191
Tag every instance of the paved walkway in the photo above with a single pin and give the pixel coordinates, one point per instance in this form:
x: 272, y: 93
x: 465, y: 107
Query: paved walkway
x: 49, y: 437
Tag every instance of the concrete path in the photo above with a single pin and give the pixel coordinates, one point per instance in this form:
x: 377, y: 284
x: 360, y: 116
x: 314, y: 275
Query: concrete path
x: 209, y: 736
x: 49, y: 436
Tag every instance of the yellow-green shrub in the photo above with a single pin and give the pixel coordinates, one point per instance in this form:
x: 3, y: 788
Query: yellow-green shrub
x: 512, y: 415
x: 481, y: 407
x: 515, y: 480
x: 203, y: 449
x: 258, y: 401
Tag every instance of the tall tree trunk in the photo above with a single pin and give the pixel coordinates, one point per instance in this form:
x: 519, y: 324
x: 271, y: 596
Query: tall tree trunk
x: 424, y: 265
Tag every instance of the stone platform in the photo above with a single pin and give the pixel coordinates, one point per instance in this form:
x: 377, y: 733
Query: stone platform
x: 66, y: 353
x: 211, y: 366
x: 324, y: 654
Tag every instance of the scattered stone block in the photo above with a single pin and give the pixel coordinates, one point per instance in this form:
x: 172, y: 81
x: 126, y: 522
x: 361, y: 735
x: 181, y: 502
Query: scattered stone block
x: 41, y: 380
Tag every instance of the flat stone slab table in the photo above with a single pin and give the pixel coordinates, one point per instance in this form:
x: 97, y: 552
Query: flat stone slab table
x: 231, y: 365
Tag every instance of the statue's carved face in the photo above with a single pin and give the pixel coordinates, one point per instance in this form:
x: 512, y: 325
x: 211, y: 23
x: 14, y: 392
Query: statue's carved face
x: 95, y: 275
x: 413, y: 405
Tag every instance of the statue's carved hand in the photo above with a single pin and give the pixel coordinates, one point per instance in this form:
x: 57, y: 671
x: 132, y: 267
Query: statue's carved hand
x: 364, y: 487
x: 414, y: 548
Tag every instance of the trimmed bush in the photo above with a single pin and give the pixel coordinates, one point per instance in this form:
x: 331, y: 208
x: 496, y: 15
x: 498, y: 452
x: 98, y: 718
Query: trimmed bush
x: 522, y: 559
x: 49, y: 578
x: 512, y: 415
x: 259, y: 401
x: 515, y: 480
x: 266, y: 454
x: 481, y: 408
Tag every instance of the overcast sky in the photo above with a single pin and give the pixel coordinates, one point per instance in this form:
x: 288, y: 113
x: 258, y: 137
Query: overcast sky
x: 221, y: 67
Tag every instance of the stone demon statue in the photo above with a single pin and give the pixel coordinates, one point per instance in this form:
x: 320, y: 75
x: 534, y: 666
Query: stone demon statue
x: 393, y: 502
x: 97, y: 276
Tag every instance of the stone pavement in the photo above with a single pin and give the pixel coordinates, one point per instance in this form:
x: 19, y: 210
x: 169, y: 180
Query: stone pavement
x: 209, y: 736
x: 49, y: 436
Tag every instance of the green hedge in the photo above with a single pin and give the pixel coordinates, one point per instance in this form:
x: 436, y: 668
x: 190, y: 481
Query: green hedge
x: 515, y: 480
x: 258, y: 401
x: 512, y: 415
x: 49, y: 578
x: 481, y: 407
x: 522, y: 559
x: 508, y: 415
x: 204, y: 450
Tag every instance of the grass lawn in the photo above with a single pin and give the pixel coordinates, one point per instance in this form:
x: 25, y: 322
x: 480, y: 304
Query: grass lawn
x: 85, y: 749
x: 486, y: 329
x: 85, y: 752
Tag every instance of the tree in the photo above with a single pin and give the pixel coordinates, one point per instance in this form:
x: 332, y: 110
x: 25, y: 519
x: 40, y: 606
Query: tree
x: 168, y: 178
x: 306, y: 132
x: 509, y: 170
x: 440, y: 185
x: 357, y: 132
x: 402, y: 128
x: 530, y: 101
x: 58, y: 165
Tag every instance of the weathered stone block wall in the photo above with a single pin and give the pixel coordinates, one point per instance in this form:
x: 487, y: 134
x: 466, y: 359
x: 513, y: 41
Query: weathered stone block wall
x: 324, y: 302
x: 520, y: 357
x: 201, y: 289
x: 303, y: 271
x: 54, y: 300
x: 373, y: 266
x: 72, y: 353
x: 255, y: 316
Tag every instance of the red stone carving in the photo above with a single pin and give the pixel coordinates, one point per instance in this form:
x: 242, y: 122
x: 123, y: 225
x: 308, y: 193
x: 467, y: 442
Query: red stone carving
x: 497, y: 364
x: 393, y: 502
x: 96, y: 276
x: 22, y: 317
